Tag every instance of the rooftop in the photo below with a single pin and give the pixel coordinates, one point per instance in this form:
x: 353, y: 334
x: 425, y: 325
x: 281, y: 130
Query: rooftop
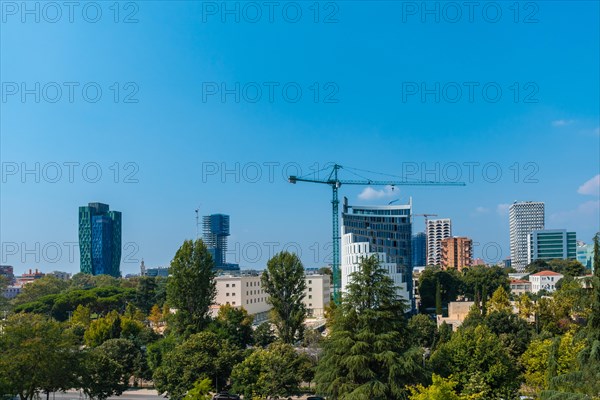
x: 547, y: 273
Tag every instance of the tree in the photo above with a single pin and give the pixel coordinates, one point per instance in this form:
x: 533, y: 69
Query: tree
x: 37, y: 356
x: 202, y: 355
x: 82, y: 281
x: 535, y: 362
x: 422, y: 329
x: 283, y: 281
x: 438, y: 299
x: 191, y: 287
x: 449, y: 282
x: 582, y: 382
x: 500, y: 301
x: 200, y: 391
x: 102, y: 329
x: 264, y: 335
x: 155, y: 316
x: 125, y: 353
x: 235, y: 325
x: 104, y: 280
x: 81, y: 316
x: 440, y: 389
x: 479, y: 362
x: 369, y: 354
x: 513, y: 332
x: 44, y: 286
x: 101, y: 376
x: 483, y: 279
x: 274, y: 371
x: 145, y: 294
x: 525, y: 306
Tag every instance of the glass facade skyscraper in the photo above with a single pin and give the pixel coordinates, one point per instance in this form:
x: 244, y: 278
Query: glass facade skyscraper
x: 383, y: 231
x: 419, y: 250
x: 99, y: 240
x: 215, y: 230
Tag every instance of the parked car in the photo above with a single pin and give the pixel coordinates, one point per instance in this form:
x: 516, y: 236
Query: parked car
x: 225, y: 396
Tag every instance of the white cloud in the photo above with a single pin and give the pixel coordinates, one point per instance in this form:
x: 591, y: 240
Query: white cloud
x: 562, y: 122
x: 586, y: 212
x: 480, y: 210
x: 369, y: 193
x: 591, y: 187
x: 502, y: 209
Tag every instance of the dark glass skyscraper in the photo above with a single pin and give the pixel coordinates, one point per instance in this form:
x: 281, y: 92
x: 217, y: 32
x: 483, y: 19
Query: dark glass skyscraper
x: 384, y: 231
x: 215, y: 230
x: 99, y: 240
x: 419, y: 250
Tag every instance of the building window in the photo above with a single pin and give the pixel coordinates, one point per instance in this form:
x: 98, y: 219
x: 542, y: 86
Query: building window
x: 233, y: 303
x: 233, y: 285
x: 310, y: 289
x: 227, y: 294
x: 310, y: 296
x: 233, y: 294
x: 227, y: 285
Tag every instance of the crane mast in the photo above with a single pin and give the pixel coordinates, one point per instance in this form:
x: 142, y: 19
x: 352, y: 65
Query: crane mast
x: 335, y: 183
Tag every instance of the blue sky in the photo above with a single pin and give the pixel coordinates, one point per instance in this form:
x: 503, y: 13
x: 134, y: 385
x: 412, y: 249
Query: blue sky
x: 394, y: 96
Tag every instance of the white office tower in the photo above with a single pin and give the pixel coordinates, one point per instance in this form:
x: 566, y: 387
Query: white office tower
x: 437, y: 230
x: 383, y: 231
x: 524, y: 218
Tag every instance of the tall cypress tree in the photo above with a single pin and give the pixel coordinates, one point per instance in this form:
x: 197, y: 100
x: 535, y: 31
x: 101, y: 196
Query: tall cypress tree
x: 368, y: 354
x: 438, y: 298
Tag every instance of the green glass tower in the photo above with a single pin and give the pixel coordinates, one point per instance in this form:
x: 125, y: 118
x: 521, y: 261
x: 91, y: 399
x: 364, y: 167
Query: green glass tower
x: 99, y: 240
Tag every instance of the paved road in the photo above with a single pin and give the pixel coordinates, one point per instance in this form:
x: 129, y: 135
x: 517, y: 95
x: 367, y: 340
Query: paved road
x: 127, y: 395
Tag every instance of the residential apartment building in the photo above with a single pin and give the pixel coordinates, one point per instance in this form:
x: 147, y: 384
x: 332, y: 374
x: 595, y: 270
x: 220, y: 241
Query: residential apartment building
x: 524, y: 217
x: 550, y: 244
x: 437, y: 230
x: 544, y: 280
x: 457, y: 253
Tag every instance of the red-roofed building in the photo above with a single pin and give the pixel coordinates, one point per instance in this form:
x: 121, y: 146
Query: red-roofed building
x: 544, y: 280
x: 519, y: 286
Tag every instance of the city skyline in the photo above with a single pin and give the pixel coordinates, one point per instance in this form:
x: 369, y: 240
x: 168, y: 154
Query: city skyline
x: 243, y: 253
x: 169, y: 140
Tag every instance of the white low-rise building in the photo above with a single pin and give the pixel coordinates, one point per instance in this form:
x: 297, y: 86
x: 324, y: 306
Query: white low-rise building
x: 247, y: 291
x: 242, y: 291
x: 544, y: 280
x: 317, y: 294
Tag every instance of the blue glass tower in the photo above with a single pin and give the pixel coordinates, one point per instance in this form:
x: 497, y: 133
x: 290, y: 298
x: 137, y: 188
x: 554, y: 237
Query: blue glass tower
x: 419, y: 250
x: 215, y: 230
x: 99, y: 240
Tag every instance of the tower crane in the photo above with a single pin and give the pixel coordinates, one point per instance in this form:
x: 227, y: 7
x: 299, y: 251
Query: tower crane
x: 426, y: 216
x: 335, y: 182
